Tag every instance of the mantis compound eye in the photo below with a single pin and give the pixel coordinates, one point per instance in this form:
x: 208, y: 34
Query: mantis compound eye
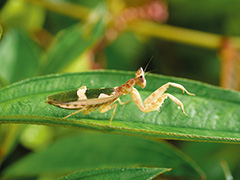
x: 141, y: 78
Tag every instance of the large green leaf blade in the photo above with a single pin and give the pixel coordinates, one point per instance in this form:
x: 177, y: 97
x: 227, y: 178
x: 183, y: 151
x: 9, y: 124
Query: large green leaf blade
x: 90, y: 151
x: 213, y: 112
x: 141, y: 173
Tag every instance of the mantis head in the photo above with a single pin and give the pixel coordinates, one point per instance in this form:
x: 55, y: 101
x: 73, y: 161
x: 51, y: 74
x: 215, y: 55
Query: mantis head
x: 140, y: 78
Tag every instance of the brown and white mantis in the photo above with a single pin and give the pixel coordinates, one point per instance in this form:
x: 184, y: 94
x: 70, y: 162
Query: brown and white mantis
x: 88, y: 100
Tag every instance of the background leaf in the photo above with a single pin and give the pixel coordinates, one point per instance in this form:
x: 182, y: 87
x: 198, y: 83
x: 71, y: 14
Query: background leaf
x: 142, y: 173
x: 215, y: 154
x: 213, y: 112
x: 19, y: 56
x: 71, y: 43
x: 88, y: 151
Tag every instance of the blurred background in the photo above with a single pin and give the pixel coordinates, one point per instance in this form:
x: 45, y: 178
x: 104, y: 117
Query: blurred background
x: 197, y: 40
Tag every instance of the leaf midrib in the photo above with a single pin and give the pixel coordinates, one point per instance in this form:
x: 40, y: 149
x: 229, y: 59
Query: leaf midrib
x: 201, y: 138
x: 86, y: 121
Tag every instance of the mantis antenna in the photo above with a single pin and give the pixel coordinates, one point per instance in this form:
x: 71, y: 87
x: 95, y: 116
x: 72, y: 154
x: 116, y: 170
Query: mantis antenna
x: 148, y: 64
x: 147, y: 67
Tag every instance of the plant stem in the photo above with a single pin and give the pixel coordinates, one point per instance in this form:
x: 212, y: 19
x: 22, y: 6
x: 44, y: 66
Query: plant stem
x: 69, y: 9
x: 183, y: 35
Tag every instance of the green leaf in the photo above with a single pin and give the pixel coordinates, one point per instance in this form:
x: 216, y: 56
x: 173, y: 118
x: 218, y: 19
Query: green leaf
x: 100, y: 150
x: 213, y: 112
x: 19, y: 56
x: 141, y: 173
x: 71, y: 43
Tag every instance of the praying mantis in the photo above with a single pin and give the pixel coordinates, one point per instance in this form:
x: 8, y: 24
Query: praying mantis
x: 88, y: 100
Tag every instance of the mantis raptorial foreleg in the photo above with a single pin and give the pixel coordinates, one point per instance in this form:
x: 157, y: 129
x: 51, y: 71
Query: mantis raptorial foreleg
x: 159, y: 92
x: 156, y: 99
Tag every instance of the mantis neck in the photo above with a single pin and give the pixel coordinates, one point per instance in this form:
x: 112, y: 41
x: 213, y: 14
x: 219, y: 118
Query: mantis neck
x: 127, y: 87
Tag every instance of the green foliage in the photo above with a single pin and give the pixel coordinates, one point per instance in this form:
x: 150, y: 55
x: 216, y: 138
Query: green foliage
x: 80, y: 41
x: 204, y: 122
x: 106, y: 151
x: 62, y: 54
x: 20, y: 56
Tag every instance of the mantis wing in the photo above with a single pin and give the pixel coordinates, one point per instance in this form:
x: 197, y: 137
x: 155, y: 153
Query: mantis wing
x: 92, y: 101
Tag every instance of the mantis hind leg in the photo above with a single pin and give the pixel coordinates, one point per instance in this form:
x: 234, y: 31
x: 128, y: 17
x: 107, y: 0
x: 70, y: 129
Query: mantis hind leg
x: 90, y: 109
x: 73, y: 113
x: 107, y: 107
x: 86, y: 110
